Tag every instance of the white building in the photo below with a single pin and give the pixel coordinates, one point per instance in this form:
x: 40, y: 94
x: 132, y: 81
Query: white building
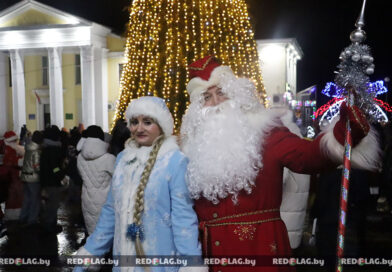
x: 278, y: 60
x: 55, y: 68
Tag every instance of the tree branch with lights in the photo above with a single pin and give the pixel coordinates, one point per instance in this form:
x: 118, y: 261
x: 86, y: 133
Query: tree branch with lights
x: 164, y: 36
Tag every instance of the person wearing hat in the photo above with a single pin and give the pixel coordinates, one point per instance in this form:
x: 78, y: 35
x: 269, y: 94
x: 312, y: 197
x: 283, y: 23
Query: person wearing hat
x: 53, y: 178
x: 148, y: 211
x: 120, y: 134
x: 12, y: 161
x: 96, y: 167
x: 237, y: 151
x: 14, y: 152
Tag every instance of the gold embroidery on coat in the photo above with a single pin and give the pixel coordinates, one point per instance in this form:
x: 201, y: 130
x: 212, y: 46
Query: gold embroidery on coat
x: 245, y: 232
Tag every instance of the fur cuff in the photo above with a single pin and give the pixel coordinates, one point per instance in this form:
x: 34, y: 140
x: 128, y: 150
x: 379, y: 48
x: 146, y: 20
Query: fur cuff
x: 83, y: 252
x: 193, y: 269
x: 366, y: 155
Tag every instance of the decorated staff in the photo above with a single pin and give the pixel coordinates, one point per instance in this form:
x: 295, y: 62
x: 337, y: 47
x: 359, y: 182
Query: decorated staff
x: 353, y: 79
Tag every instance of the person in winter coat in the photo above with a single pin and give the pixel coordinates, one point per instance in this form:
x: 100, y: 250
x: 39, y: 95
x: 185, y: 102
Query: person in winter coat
x: 96, y: 167
x: 30, y: 178
x: 52, y: 176
x: 295, y: 189
x: 148, y: 211
x: 12, y: 161
x: 74, y: 202
x: 237, y: 152
x: 120, y: 134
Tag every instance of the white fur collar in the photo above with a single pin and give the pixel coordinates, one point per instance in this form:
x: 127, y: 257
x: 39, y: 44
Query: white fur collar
x: 132, y: 150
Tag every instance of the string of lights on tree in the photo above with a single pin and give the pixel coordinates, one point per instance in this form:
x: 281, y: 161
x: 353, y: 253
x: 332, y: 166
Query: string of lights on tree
x: 165, y: 36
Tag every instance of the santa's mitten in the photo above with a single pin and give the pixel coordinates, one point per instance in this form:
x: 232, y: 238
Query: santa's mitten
x: 358, y: 124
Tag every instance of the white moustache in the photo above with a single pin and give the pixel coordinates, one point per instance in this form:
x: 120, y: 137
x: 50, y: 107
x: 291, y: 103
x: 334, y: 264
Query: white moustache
x: 218, y: 109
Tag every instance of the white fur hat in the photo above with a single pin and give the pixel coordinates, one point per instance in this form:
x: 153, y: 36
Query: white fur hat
x: 153, y: 107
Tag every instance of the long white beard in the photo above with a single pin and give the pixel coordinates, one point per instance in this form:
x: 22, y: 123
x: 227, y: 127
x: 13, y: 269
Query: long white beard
x: 224, y: 151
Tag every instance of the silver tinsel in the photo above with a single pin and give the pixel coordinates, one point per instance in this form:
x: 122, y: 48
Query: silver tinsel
x: 354, y: 70
x: 356, y: 64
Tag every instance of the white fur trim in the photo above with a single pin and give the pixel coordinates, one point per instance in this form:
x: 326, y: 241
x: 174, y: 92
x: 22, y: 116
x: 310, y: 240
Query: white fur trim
x: 11, y: 139
x: 193, y: 269
x: 287, y: 120
x: 366, y: 155
x: 83, y: 252
x: 152, y: 107
x: 196, y: 86
x: 169, y: 144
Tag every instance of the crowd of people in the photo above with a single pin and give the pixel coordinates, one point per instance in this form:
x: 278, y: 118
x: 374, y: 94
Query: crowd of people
x: 35, y: 174
x: 216, y: 190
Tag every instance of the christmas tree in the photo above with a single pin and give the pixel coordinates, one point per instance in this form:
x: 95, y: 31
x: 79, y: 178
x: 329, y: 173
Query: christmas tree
x: 165, y: 36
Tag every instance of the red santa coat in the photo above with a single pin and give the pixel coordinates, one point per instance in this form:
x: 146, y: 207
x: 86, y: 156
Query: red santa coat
x: 253, y: 226
x: 14, y: 200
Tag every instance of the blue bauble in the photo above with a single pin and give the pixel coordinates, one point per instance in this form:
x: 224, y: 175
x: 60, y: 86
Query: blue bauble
x: 135, y: 230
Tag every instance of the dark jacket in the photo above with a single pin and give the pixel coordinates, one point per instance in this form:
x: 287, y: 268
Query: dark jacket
x: 31, y: 162
x: 52, y: 160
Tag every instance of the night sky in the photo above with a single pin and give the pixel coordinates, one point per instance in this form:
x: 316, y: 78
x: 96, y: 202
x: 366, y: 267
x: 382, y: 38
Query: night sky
x: 321, y: 28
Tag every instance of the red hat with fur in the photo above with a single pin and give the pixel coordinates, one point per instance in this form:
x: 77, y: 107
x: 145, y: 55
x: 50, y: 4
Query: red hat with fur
x: 205, y: 73
x: 10, y: 136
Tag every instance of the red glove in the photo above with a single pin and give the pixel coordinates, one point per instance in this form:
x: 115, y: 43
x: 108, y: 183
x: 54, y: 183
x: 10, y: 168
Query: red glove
x: 358, y: 123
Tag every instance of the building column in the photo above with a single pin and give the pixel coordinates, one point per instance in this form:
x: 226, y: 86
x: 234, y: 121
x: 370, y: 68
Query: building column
x: 101, y: 88
x: 88, y: 97
x: 288, y: 68
x: 18, y: 90
x: 56, y: 87
x: 3, y: 94
x: 295, y: 74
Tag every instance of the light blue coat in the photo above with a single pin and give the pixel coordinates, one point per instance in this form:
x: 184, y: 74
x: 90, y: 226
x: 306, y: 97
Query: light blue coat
x: 169, y: 221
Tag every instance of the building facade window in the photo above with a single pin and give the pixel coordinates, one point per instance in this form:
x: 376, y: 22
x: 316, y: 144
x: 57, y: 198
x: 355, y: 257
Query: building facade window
x: 45, y: 71
x: 78, y: 75
x: 120, y: 69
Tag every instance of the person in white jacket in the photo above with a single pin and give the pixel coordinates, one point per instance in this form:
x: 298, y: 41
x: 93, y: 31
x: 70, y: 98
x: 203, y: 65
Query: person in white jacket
x: 96, y: 167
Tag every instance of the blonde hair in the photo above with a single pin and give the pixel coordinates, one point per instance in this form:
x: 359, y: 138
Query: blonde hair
x: 139, y: 202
